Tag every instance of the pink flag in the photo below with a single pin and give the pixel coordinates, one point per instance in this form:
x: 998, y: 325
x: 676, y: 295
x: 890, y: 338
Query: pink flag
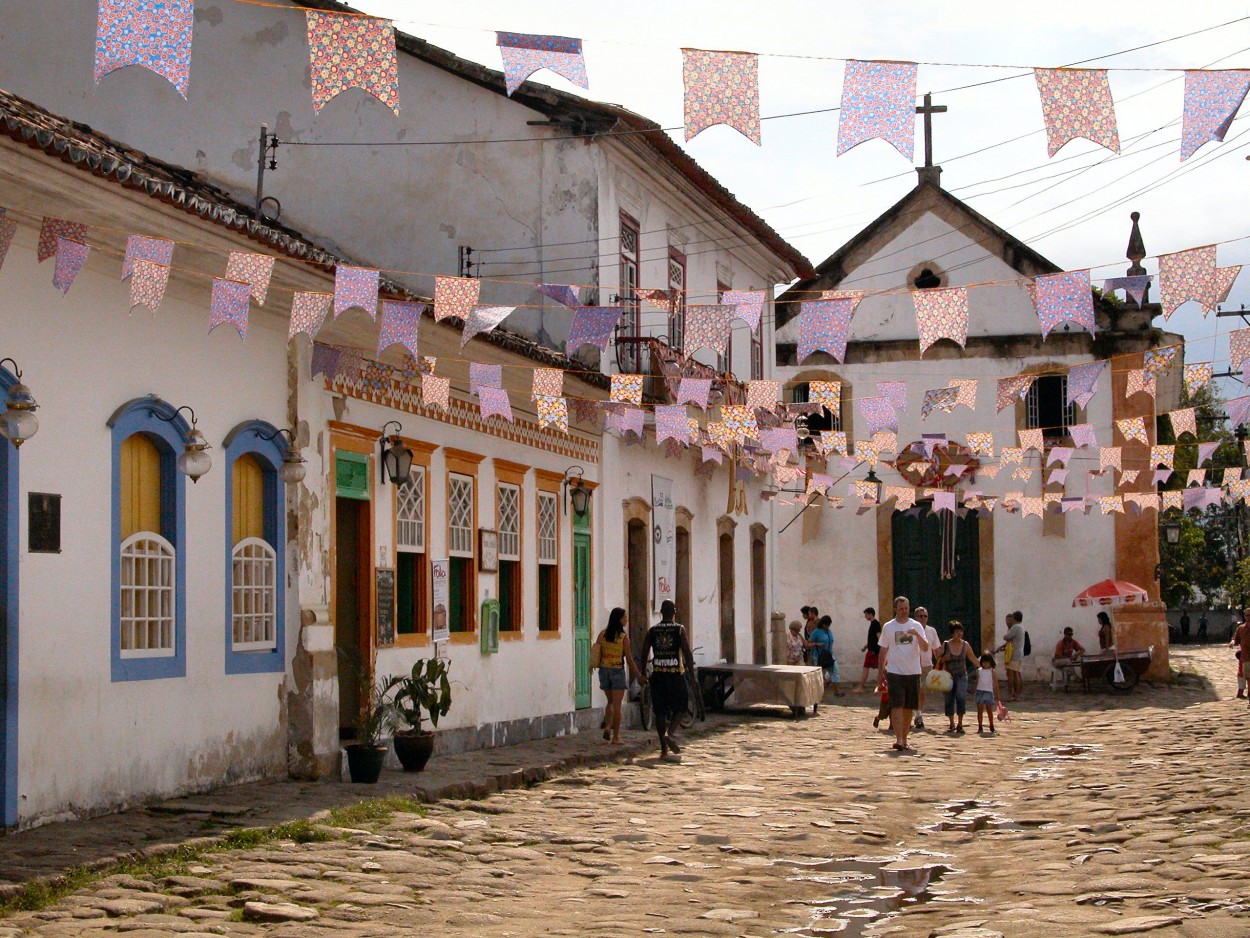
x: 1139, y: 381
x: 1183, y: 421
x: 828, y: 394
x: 1132, y: 428
x: 355, y: 286
x: 552, y: 412
x: 1076, y: 102
x: 1109, y: 457
x: 8, y: 228
x: 749, y: 305
x: 401, y: 323
x: 721, y: 88
x: 352, y: 52
x: 494, y: 403
x: 893, y: 391
x: 253, y: 269
x: 561, y: 293
x: 941, y: 314
x: 1238, y: 411
x: 707, y: 326
x: 671, y: 423
x: 763, y: 395
x: 455, y: 296
x: 1206, y: 451
x: 824, y: 325
x: 484, y: 319
x: 878, y: 414
x: 1011, y: 390
x: 694, y: 391
x: 435, y: 391
x: 1032, y: 439
x: 524, y: 54
x: 548, y: 382
x: 592, y: 325
x: 54, y: 229
x: 878, y: 100
x: 1187, y: 275
x: 966, y: 389
x: 308, y: 312
x: 1211, y: 102
x: 1222, y: 285
x: 71, y: 257
x: 1161, y: 455
x: 1059, y: 454
x: 1158, y: 360
x: 148, y: 249
x: 1064, y: 297
x: 1083, y: 382
x: 147, y: 284
x: 230, y: 305
x: 482, y: 375
x: 153, y: 33
x: 1134, y: 287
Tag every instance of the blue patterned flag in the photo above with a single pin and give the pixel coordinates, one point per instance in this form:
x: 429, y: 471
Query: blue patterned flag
x: 153, y: 33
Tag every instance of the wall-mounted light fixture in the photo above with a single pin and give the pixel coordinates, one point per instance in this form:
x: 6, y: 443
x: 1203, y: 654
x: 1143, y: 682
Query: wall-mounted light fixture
x: 293, y: 468
x: 194, y: 461
x: 576, y: 492
x: 396, y: 458
x: 18, y: 423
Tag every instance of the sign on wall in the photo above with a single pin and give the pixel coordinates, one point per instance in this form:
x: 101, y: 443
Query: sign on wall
x: 663, y: 539
x: 439, y: 581
x: 385, y: 592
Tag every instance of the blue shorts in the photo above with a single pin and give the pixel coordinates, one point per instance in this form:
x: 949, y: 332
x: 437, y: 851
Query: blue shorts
x: 985, y: 698
x: 612, y: 679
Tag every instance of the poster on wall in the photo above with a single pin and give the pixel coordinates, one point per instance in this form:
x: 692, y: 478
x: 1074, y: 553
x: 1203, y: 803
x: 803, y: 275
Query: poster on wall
x: 439, y: 572
x: 663, y: 540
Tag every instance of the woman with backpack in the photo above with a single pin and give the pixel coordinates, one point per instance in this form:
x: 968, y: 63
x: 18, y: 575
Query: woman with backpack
x: 610, y: 654
x: 957, y: 657
x: 821, y: 644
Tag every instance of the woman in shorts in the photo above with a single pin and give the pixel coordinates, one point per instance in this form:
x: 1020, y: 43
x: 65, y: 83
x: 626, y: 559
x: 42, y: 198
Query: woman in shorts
x: 614, y: 655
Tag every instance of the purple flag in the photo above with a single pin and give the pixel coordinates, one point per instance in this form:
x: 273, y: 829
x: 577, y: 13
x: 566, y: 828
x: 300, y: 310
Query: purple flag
x: 1083, y: 435
x: 775, y: 439
x: 494, y: 403
x: 484, y: 376
x: 749, y: 304
x: 671, y: 423
x: 153, y: 33
x: 824, y: 325
x: 1064, y: 297
x: 896, y: 393
x: 524, y: 54
x: 721, y: 88
x: 707, y: 326
x: 230, y: 305
x: 325, y: 361
x: 694, y: 391
x: 1211, y: 102
x: 561, y: 293
x: 1206, y: 451
x: 71, y: 257
x: 592, y: 325
x: 308, y: 312
x: 1083, y: 382
x: 401, y: 323
x: 356, y: 286
x: 1239, y: 410
x: 146, y: 249
x: 878, y: 100
x: 484, y: 319
x: 1134, y: 287
x: 878, y: 414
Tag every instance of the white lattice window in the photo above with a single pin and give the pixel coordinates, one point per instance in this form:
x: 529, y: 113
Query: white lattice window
x: 254, y: 595
x: 410, y: 513
x: 147, y: 596
x: 509, y: 506
x: 677, y: 285
x: 460, y: 516
x: 548, y: 532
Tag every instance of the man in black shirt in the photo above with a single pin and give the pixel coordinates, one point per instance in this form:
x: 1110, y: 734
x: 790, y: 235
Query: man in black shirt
x: 671, y: 660
x: 872, y: 648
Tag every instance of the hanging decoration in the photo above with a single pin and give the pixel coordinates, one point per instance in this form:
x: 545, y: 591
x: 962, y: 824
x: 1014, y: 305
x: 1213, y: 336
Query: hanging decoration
x: 484, y: 319
x: 553, y: 411
x: 748, y: 304
x: 1158, y: 360
x: 253, y: 269
x: 1010, y: 390
x: 1134, y: 287
x: 229, y: 305
x: 721, y: 88
x: 694, y: 391
x: 827, y: 394
x: 524, y: 54
x: 824, y: 325
x: 1183, y: 421
x: 548, y: 382
x: 155, y: 34
x: 943, y: 399
x: 71, y: 257
x: 148, y: 281
x: 308, y: 312
x: 148, y: 249
x: 1138, y: 381
x: 627, y: 389
x: 1206, y: 451
x: 1238, y: 411
x: 482, y: 375
x: 455, y: 296
x: 671, y: 423
x: 980, y: 443
x: 941, y: 314
x: 494, y: 403
x: 562, y: 293
x: 1187, y: 275
x: 707, y: 326
x: 8, y: 229
x: 1212, y: 99
x: 1161, y: 455
x: 1033, y: 439
x: 53, y: 229
x: 1132, y: 429
x: 346, y: 51
x: 878, y: 100
x: 1063, y: 297
x: 1109, y: 457
x: 893, y: 391
x: 355, y: 286
x: 966, y: 392
x: 878, y: 414
x: 763, y: 395
x: 325, y: 361
x: 401, y: 323
x: 592, y: 325
x: 1083, y: 382
x: 1222, y: 285
x: 435, y: 391
x: 1076, y: 102
x: 1196, y: 376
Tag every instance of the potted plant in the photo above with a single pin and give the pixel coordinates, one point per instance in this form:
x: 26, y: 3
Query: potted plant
x: 426, y: 688
x: 376, y: 715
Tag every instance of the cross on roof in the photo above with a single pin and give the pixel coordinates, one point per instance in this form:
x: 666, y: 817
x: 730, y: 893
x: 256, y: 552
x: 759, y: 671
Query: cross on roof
x: 928, y: 110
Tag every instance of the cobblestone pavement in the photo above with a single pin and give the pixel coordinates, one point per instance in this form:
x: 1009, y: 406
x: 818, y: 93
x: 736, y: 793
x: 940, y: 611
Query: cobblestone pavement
x: 1086, y: 815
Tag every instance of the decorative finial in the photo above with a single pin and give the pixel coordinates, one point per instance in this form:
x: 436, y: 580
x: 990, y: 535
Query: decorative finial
x: 1136, y: 251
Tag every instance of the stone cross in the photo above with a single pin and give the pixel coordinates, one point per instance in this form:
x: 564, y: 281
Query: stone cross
x: 928, y: 110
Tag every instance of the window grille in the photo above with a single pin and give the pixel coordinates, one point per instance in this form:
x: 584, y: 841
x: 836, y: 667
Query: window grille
x: 460, y: 517
x: 548, y: 537
x: 147, y: 596
x: 254, y: 595
x: 677, y: 286
x: 410, y: 513
x: 509, y: 498
x: 1047, y: 406
x: 629, y: 354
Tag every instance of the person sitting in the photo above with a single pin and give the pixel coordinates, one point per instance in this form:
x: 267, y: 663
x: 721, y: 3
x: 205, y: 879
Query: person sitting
x: 1068, y: 647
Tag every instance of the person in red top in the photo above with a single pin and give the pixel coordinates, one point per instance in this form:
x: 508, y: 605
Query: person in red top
x: 1068, y: 646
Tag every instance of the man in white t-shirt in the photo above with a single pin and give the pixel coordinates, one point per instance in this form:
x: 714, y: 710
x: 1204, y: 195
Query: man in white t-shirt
x: 904, y: 646
x: 926, y: 660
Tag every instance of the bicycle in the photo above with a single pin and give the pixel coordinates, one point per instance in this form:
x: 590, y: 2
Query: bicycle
x: 686, y: 718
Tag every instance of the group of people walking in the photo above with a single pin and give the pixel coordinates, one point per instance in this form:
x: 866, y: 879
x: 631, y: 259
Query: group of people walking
x: 811, y: 642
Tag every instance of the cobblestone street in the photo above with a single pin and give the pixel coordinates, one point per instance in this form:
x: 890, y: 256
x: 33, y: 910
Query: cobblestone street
x: 1086, y: 815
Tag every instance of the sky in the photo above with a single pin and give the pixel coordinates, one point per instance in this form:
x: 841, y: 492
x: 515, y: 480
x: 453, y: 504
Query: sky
x: 1073, y: 208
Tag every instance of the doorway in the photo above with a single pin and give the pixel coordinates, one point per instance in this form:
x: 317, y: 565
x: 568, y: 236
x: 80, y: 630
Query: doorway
x: 351, y: 606
x: 759, y: 623
x: 922, y: 547
x: 581, y: 611
x: 681, y: 594
x: 728, y: 640
x: 636, y: 581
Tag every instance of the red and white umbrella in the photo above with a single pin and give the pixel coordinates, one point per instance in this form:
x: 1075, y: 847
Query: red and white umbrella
x: 1111, y: 593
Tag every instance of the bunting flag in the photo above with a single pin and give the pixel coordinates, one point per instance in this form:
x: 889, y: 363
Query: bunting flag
x: 54, y: 229
x: 739, y: 421
x: 1109, y: 457
x: 484, y: 319
x: 828, y: 394
x: 592, y: 325
x: 8, y: 229
x: 1158, y: 360
x: 1022, y: 472
x: 943, y: 399
x: 1134, y: 287
x: 1161, y: 476
x: 721, y: 88
x: 1161, y: 455
x: 553, y: 411
x: 710, y: 454
x: 824, y: 325
x: 1010, y: 390
x: 1238, y: 411
x: 656, y: 297
x: 763, y: 395
x: 1206, y: 451
x: 1063, y: 297
x: 878, y: 100
x: 1083, y: 382
x: 981, y: 443
x: 355, y: 286
x: 548, y: 382
x: 1139, y: 381
x: 989, y: 472
x: 1057, y: 477
x: 147, y: 284
x: 878, y: 414
x: 694, y: 391
x: 671, y: 423
x: 1173, y: 499
x: 749, y: 306
x: 347, y: 51
x: 818, y: 483
x: 707, y: 326
x: 155, y: 34
x: 1231, y: 475
x: 1129, y: 476
x: 1183, y: 421
x: 1197, y: 376
x: 866, y: 492
x: 931, y: 442
x: 435, y: 391
x: 148, y: 249
x: 230, y: 305
x: 1133, y: 428
x: 779, y: 440
x: 626, y: 421
x: 401, y: 323
x: 561, y: 293
x: 71, y: 257
x: 524, y: 54
x: 308, y: 312
x: 253, y: 269
x: 941, y: 314
x: 627, y: 389
x: 866, y: 451
x: 1222, y: 285
x: 944, y: 501
x: 966, y: 392
x: 886, y: 441
x: 1212, y: 99
x: 1083, y: 435
x: 1143, y: 500
x: 1076, y: 102
x: 325, y: 361
x: 1239, y: 490
x: 1012, y: 454
x: 1195, y: 477
x: 494, y: 402
x: 893, y: 391
x: 1031, y: 505
x: 1187, y: 275
x: 904, y: 495
x: 1109, y: 504
x: 455, y: 296
x: 833, y: 441
x: 1031, y: 439
x: 482, y: 375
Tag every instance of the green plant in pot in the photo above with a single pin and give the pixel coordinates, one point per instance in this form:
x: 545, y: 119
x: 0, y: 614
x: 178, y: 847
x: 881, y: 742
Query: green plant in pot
x: 376, y: 715
x: 426, y: 689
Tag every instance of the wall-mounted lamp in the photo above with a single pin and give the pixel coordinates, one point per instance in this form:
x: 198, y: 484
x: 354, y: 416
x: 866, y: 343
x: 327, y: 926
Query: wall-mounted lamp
x: 293, y: 468
x: 194, y: 461
x: 18, y: 423
x: 801, y: 429
x: 1172, y: 537
x: 872, y: 477
x: 396, y: 458
x: 576, y: 492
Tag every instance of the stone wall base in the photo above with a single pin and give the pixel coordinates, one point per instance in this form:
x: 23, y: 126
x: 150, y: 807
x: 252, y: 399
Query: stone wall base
x: 511, y: 732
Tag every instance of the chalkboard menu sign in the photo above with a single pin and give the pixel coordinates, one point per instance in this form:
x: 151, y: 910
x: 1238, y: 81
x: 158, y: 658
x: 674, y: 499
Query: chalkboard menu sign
x: 386, y: 605
x: 44, y: 523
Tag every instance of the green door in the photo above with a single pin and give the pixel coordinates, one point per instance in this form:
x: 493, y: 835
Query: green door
x: 918, y: 545
x: 581, y: 615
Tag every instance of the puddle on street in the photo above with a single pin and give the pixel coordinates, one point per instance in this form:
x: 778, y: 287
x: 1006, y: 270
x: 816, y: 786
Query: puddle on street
x: 1052, y: 758
x: 971, y: 816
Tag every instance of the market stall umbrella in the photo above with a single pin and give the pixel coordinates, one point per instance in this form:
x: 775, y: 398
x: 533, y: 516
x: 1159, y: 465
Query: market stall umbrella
x: 1111, y: 593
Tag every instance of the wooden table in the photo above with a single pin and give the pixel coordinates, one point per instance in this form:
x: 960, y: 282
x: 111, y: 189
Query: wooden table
x: 795, y: 686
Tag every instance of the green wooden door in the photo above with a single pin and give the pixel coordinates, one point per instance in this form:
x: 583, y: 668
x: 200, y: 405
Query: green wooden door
x: 918, y: 571
x: 581, y: 617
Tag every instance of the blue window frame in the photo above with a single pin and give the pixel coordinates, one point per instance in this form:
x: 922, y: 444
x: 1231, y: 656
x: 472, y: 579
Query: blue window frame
x: 8, y: 624
x: 167, y: 431
x: 248, y: 439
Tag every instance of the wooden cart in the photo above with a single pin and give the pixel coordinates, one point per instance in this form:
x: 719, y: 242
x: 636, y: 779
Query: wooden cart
x: 1099, y: 668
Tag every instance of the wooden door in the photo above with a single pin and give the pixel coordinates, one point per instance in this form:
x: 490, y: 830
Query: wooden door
x: 759, y: 618
x: 351, y: 606
x: 581, y: 619
x: 638, y: 582
x: 728, y: 639
x: 685, y: 614
x: 918, y: 570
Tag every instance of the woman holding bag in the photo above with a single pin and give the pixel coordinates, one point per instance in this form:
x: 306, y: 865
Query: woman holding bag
x: 956, y: 656
x: 610, y: 654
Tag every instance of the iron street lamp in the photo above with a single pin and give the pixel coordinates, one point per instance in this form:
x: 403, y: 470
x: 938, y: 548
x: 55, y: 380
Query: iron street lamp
x: 1172, y: 533
x: 396, y: 458
x: 194, y: 461
x: 293, y: 467
x: 18, y: 423
x: 576, y: 492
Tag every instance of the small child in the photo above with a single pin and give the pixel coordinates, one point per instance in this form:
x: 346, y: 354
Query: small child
x: 987, y: 692
x: 883, y: 713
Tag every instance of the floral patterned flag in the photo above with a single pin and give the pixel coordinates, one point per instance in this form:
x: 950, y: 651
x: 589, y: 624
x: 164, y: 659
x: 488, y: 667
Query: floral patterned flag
x: 763, y: 395
x: 230, y: 305
x: 932, y: 441
x: 1173, y: 499
x: 657, y: 297
x: 325, y: 361
x: 71, y: 257
x: 1132, y: 428
x: 1010, y: 390
x: 710, y: 454
x: 866, y: 492
x: 1238, y: 411
x: 1057, y: 477
x: 455, y: 296
x: 561, y: 293
x: 878, y: 414
x: 824, y: 325
x: 945, y: 501
x: 308, y: 312
x: 54, y: 229
x: 1064, y: 297
x: 828, y: 394
x: 592, y: 325
x: 625, y: 421
x: 989, y: 472
x: 153, y: 33
x: 1212, y: 99
x: 1187, y: 275
x: 1060, y: 455
x: 1230, y: 476
x: 694, y: 391
x: 878, y: 100
x: 253, y: 269
x: 866, y: 451
x: 8, y: 228
x: 671, y: 423
x: 893, y: 391
x: 1109, y: 504
x: 833, y: 441
x: 1158, y: 360
x: 553, y: 411
x: 356, y: 286
x: 943, y: 399
x: 1196, y: 477
x: 941, y: 314
x: 1128, y: 476
x: 494, y: 403
x: 1197, y: 376
x: 1225, y: 277
x: 401, y: 322
x: 1239, y: 490
x: 1134, y: 287
x: 1076, y: 102
x: 148, y: 249
x: 1108, y: 457
x: 721, y: 88
x: 1139, y: 381
x: 749, y: 305
x: 524, y: 54
x: 147, y: 284
x: 886, y: 441
x: 435, y: 391
x: 548, y: 382
x: 627, y: 389
x: 1161, y: 476
x: 1206, y: 451
x: 482, y: 375
x: 981, y: 443
x: 779, y: 440
x: 905, y: 496
x: 966, y: 392
x: 1030, y: 505
x: 346, y: 51
x: 1022, y: 472
x: 1145, y: 501
x: 739, y: 420
x: 1031, y: 439
x: 484, y: 319
x: 1083, y: 382
x: 707, y: 326
x: 1183, y: 421
x: 1163, y: 456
